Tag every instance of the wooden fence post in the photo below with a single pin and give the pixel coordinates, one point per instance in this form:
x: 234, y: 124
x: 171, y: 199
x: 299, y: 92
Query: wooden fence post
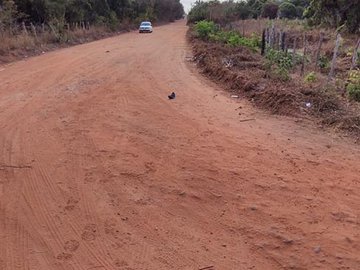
x: 294, y: 51
x: 272, y: 36
x: 317, y: 55
x: 304, y: 56
x: 355, y: 56
x: 267, y: 36
x: 333, y: 62
x: 283, y: 42
x: 263, y: 42
x: 280, y: 39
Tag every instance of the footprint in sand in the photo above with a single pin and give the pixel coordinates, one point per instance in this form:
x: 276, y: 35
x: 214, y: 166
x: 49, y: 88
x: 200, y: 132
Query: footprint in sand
x: 71, y: 245
x: 89, y: 233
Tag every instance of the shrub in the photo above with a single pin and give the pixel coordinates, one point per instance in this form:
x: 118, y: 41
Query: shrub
x: 208, y: 30
x: 310, y: 77
x: 324, y: 62
x: 282, y: 59
x: 353, y: 88
x: 205, y: 28
x: 278, y: 64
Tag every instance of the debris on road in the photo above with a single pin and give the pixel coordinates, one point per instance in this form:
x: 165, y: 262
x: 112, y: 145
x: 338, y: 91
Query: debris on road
x: 172, y: 95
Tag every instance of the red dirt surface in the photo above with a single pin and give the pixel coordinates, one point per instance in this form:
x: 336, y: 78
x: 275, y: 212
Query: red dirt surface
x: 99, y: 170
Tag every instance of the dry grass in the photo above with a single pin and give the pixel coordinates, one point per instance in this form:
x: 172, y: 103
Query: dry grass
x: 20, y: 45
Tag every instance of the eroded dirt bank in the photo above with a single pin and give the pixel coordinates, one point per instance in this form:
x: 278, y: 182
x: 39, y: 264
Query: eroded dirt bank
x: 98, y: 170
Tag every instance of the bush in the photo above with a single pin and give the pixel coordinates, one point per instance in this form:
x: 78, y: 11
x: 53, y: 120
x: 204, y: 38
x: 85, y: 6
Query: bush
x: 310, y: 77
x: 282, y: 59
x: 278, y: 64
x: 353, y: 88
x: 324, y: 62
x: 205, y: 28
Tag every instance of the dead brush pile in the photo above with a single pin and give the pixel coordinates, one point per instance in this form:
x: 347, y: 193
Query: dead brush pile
x: 243, y: 72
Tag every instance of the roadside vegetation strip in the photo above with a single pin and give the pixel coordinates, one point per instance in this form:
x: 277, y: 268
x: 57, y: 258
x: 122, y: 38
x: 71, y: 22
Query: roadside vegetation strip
x: 284, y: 81
x: 31, y: 28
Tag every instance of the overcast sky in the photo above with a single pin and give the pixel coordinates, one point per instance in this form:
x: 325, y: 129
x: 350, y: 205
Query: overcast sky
x: 187, y: 4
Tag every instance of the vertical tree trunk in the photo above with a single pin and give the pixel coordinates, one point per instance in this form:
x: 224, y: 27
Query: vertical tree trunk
x: 24, y: 28
x: 33, y: 29
x: 317, y: 55
x: 355, y: 56
x: 333, y: 63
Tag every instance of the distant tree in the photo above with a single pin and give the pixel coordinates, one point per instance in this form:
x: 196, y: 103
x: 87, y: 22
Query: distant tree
x: 335, y: 13
x: 256, y: 7
x: 288, y: 10
x: 243, y: 10
x: 8, y: 13
x: 270, y: 10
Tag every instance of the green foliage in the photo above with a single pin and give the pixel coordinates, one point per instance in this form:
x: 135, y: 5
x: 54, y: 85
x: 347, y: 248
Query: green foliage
x: 288, y: 10
x: 278, y: 64
x: 335, y: 13
x: 310, y: 77
x: 207, y: 30
x: 324, y: 62
x: 104, y: 12
x: 8, y: 13
x: 235, y: 40
x: 353, y: 87
x: 223, y: 12
x: 280, y: 58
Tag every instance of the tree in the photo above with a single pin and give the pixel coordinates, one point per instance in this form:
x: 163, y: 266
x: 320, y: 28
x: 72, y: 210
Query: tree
x: 8, y: 13
x: 288, y: 10
x: 270, y: 10
x: 256, y: 7
x: 335, y: 13
x: 243, y: 10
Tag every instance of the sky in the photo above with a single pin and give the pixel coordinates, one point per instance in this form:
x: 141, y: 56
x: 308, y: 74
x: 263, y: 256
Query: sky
x: 187, y: 4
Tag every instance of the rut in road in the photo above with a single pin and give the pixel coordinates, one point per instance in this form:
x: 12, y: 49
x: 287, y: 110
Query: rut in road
x: 120, y: 177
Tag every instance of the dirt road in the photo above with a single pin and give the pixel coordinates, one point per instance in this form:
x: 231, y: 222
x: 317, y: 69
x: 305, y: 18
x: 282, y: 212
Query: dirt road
x: 99, y: 170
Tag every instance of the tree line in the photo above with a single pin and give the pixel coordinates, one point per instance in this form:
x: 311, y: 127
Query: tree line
x: 102, y: 12
x: 333, y: 13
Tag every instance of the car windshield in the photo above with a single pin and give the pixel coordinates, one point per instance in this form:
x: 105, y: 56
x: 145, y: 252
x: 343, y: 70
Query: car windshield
x: 145, y: 24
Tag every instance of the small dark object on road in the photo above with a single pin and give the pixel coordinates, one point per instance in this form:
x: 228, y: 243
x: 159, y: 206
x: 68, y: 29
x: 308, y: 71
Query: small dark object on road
x: 172, y: 96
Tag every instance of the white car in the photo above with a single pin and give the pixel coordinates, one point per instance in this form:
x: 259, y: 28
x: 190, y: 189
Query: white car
x: 145, y: 27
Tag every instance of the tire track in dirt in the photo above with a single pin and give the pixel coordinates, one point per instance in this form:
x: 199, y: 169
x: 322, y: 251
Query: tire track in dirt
x: 122, y: 178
